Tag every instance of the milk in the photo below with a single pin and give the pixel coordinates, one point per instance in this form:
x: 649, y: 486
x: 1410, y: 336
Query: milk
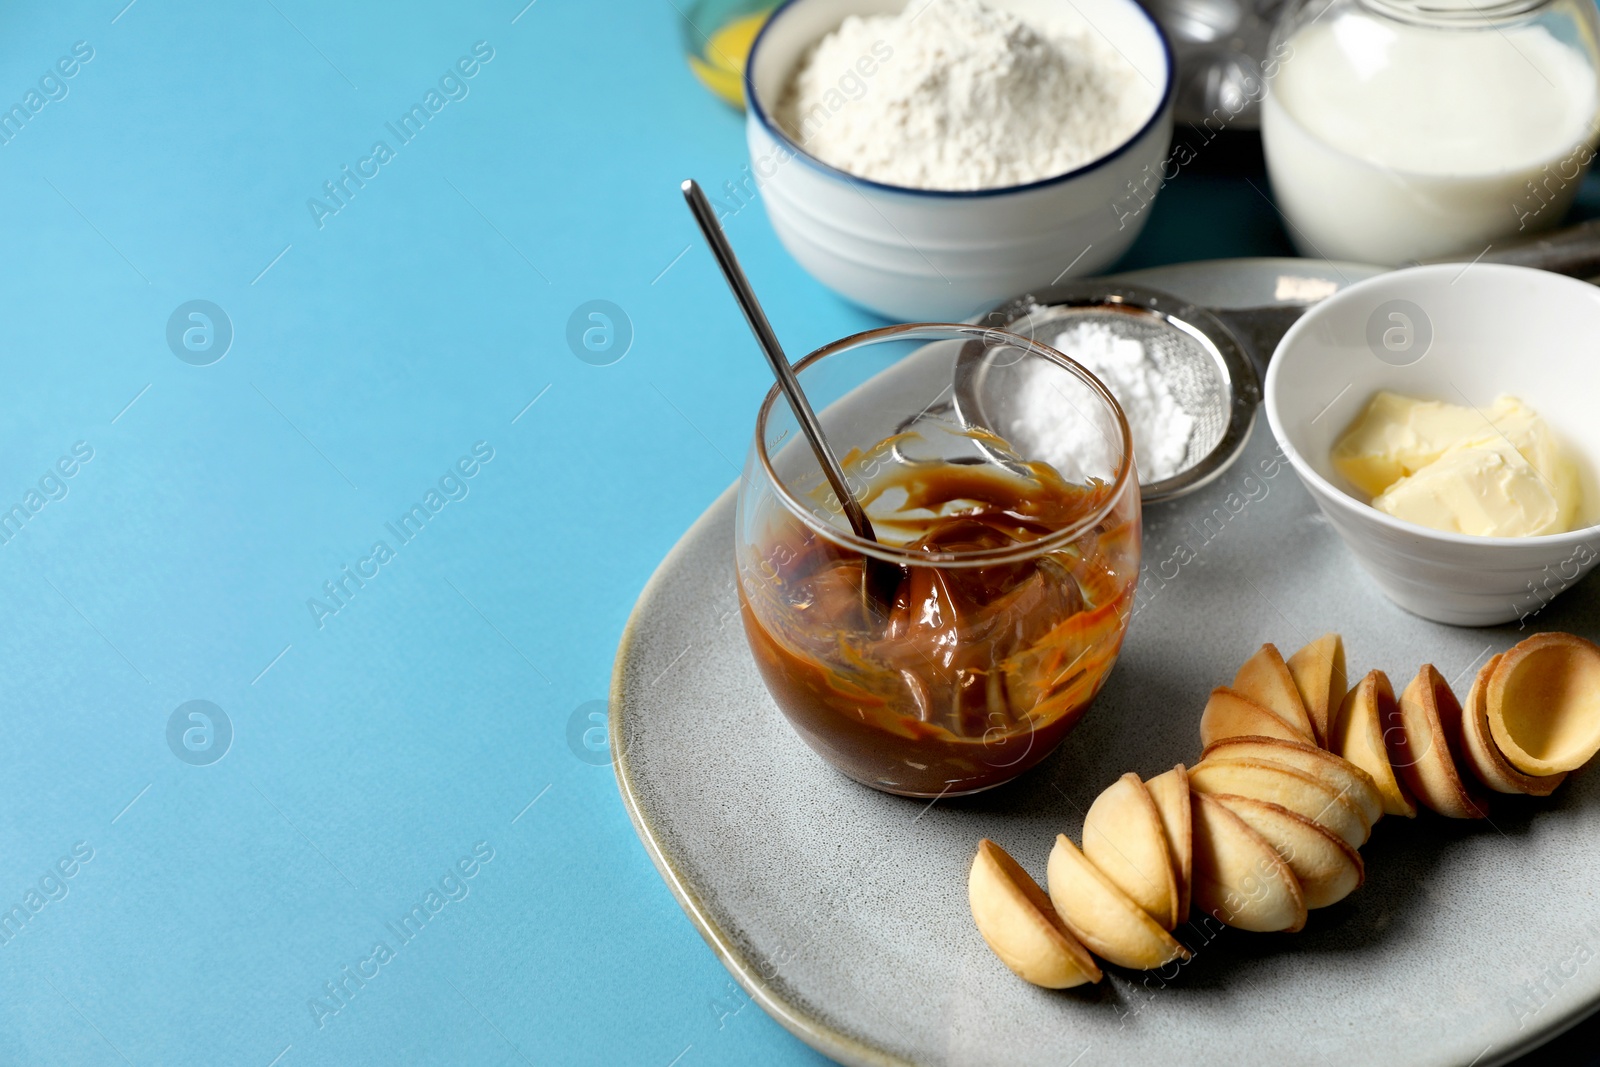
x: 1388, y: 142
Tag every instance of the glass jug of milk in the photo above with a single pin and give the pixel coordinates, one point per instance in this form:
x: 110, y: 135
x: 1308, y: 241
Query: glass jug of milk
x: 1402, y: 129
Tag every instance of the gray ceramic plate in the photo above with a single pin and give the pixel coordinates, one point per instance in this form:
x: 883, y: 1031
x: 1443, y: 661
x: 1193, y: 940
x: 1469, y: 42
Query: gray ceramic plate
x: 843, y: 911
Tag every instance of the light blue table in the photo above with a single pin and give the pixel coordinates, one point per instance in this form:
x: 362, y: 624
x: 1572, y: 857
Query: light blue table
x: 188, y: 516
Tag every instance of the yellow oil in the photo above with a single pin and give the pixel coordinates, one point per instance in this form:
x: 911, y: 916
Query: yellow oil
x: 721, y: 67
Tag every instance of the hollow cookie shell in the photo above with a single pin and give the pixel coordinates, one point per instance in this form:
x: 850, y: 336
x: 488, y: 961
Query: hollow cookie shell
x: 1358, y: 737
x: 1231, y: 714
x: 1016, y: 919
x: 1239, y: 878
x: 1285, y: 786
x: 1544, y: 703
x: 1483, y: 757
x: 1351, y: 781
x: 1327, y: 869
x: 1124, y: 836
x: 1319, y: 673
x: 1102, y: 916
x: 1170, y: 791
x: 1266, y: 679
x: 1415, y: 736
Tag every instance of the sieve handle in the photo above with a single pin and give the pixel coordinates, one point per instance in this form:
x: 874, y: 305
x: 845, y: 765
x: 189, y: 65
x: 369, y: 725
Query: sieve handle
x: 1258, y: 330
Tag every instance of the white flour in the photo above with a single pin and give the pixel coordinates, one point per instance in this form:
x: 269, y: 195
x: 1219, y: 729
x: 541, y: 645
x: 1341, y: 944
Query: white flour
x: 962, y: 96
x: 1047, y: 428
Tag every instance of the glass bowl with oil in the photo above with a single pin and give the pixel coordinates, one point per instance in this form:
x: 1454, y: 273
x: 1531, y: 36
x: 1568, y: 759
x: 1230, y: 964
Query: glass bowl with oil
x: 717, y: 35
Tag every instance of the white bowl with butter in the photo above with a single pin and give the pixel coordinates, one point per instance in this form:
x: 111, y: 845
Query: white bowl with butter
x: 1467, y: 337
x: 1495, y: 471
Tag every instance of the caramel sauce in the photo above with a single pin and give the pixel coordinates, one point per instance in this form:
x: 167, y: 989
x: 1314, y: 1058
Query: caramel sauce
x: 967, y: 675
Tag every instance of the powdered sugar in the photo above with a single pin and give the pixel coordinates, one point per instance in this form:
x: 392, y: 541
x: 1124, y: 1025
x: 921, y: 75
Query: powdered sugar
x: 1161, y: 428
x: 962, y: 95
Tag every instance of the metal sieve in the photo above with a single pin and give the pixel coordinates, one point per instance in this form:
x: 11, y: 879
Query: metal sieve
x: 1210, y: 375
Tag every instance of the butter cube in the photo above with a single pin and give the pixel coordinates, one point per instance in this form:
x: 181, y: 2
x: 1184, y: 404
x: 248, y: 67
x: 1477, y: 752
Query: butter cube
x: 1396, y: 436
x: 1486, y: 488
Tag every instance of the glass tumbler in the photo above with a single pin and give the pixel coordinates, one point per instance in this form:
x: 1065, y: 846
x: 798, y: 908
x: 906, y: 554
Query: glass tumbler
x: 959, y: 649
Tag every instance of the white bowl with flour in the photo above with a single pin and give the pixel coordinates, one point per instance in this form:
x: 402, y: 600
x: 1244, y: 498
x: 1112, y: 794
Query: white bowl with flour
x: 946, y: 192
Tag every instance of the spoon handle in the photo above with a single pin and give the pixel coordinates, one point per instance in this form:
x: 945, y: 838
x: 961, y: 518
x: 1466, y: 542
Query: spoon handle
x: 707, y: 218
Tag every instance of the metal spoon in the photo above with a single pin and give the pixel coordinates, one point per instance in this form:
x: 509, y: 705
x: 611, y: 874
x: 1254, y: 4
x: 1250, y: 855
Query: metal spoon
x: 881, y: 577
